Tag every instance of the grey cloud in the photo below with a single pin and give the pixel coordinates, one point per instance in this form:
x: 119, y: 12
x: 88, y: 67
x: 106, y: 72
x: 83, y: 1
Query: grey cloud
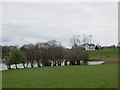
x: 6, y: 39
x: 44, y: 21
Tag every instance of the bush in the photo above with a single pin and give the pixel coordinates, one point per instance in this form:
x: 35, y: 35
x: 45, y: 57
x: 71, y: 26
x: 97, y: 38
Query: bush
x: 15, y: 57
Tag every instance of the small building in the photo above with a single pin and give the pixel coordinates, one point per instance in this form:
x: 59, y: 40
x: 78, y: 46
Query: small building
x: 88, y: 46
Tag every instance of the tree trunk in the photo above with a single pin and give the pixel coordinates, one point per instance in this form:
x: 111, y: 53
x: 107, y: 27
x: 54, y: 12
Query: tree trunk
x: 85, y: 62
x: 31, y: 65
x: 54, y: 63
x: 59, y: 63
x: 78, y: 62
x: 66, y: 63
x: 24, y: 65
x: 38, y: 63
x: 27, y: 65
x: 72, y: 62
x: 16, y: 66
x: 9, y: 67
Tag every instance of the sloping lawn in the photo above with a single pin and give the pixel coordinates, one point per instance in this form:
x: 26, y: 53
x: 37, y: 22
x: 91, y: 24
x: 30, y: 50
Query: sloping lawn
x: 109, y: 55
x: 104, y: 53
x: 99, y: 76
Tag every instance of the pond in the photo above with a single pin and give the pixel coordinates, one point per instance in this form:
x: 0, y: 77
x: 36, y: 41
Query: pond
x: 2, y: 67
x: 95, y: 62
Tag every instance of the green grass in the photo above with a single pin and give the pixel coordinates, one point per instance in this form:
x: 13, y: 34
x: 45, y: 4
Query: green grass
x: 0, y: 80
x: 103, y: 53
x: 99, y: 76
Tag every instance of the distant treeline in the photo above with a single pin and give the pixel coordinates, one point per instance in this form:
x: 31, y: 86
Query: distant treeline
x: 47, y: 53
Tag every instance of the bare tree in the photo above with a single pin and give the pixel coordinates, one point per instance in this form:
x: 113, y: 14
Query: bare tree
x: 29, y: 51
x: 75, y: 40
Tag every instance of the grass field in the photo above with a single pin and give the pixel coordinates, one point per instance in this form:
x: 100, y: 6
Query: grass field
x: 106, y: 54
x: 0, y: 80
x: 103, y: 53
x: 99, y: 76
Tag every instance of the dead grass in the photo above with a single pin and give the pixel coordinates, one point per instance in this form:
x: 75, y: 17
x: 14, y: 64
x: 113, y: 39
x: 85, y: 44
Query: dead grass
x: 107, y: 60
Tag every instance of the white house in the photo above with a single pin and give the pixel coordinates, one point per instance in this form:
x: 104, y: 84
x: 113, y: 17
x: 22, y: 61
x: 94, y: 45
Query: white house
x: 88, y: 46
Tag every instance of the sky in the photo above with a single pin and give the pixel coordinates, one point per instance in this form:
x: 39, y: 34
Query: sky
x: 32, y: 22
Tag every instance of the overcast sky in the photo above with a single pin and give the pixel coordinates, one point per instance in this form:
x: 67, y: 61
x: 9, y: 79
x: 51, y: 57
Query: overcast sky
x: 38, y: 22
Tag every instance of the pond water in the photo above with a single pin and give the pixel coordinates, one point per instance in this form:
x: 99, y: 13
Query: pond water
x: 4, y: 67
x: 95, y: 62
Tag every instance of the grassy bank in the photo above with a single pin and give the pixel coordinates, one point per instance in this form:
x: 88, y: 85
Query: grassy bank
x: 0, y: 79
x: 101, y: 76
x: 106, y: 54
